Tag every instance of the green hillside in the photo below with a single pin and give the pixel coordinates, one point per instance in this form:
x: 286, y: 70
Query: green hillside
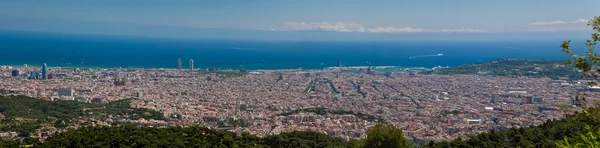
x: 515, y: 67
x: 25, y: 114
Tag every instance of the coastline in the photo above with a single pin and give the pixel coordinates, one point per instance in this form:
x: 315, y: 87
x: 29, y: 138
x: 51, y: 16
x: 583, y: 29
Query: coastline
x: 374, y: 67
x: 204, y: 69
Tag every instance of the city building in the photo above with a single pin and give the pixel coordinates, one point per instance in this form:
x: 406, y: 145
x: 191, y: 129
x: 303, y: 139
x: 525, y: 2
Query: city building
x: 98, y: 100
x: 527, y: 99
x: 594, y: 88
x: 538, y: 100
x: 33, y: 75
x: 65, y: 92
x: 44, y: 72
x: 191, y: 64
x: 139, y: 94
x: 119, y: 81
x: 494, y: 98
x: 179, y: 64
x: 474, y: 121
x: 16, y: 73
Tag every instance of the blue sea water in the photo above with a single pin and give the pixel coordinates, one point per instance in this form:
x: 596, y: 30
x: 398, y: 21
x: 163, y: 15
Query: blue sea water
x: 73, y: 50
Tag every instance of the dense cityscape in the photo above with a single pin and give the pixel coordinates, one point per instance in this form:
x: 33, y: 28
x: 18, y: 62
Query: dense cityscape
x: 299, y: 74
x: 265, y: 102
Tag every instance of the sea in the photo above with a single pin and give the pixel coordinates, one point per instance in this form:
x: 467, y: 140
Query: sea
x: 110, y: 51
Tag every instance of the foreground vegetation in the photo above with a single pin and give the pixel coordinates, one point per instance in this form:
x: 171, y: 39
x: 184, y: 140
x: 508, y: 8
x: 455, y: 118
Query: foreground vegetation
x: 576, y: 129
x: 545, y: 135
x: 132, y: 136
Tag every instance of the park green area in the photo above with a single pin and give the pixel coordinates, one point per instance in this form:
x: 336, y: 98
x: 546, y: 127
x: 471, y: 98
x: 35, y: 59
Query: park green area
x: 324, y: 111
x: 25, y: 114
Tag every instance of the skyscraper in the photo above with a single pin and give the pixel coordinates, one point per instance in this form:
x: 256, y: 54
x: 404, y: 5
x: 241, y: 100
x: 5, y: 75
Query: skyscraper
x: 16, y: 73
x: 191, y: 64
x: 340, y: 63
x: 44, y: 72
x: 179, y: 66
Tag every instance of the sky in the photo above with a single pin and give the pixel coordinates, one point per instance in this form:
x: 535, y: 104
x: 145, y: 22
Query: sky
x: 343, y: 19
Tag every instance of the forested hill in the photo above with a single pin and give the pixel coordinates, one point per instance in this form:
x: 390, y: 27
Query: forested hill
x: 581, y: 129
x: 515, y: 67
x: 129, y: 136
x: 132, y: 136
x: 25, y: 115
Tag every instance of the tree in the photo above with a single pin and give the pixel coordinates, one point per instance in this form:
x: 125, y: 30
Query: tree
x: 384, y: 136
x: 589, y: 63
x: 589, y: 139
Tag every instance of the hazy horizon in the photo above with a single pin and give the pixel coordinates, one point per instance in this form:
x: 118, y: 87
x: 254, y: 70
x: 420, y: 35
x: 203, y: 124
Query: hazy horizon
x: 307, y: 20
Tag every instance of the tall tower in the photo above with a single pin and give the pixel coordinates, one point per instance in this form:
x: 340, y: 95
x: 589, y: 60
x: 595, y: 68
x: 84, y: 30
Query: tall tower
x: 340, y: 63
x: 179, y: 64
x: 44, y: 72
x: 191, y: 64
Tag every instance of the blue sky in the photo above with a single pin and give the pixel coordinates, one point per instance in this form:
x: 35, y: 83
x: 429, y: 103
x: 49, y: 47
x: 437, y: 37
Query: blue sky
x: 349, y: 17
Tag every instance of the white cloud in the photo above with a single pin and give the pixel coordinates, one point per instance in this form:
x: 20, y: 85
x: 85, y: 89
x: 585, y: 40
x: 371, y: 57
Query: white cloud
x: 392, y: 29
x: 460, y: 30
x: 353, y: 27
x: 325, y: 26
x: 548, y: 23
x: 581, y: 21
x: 559, y: 22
